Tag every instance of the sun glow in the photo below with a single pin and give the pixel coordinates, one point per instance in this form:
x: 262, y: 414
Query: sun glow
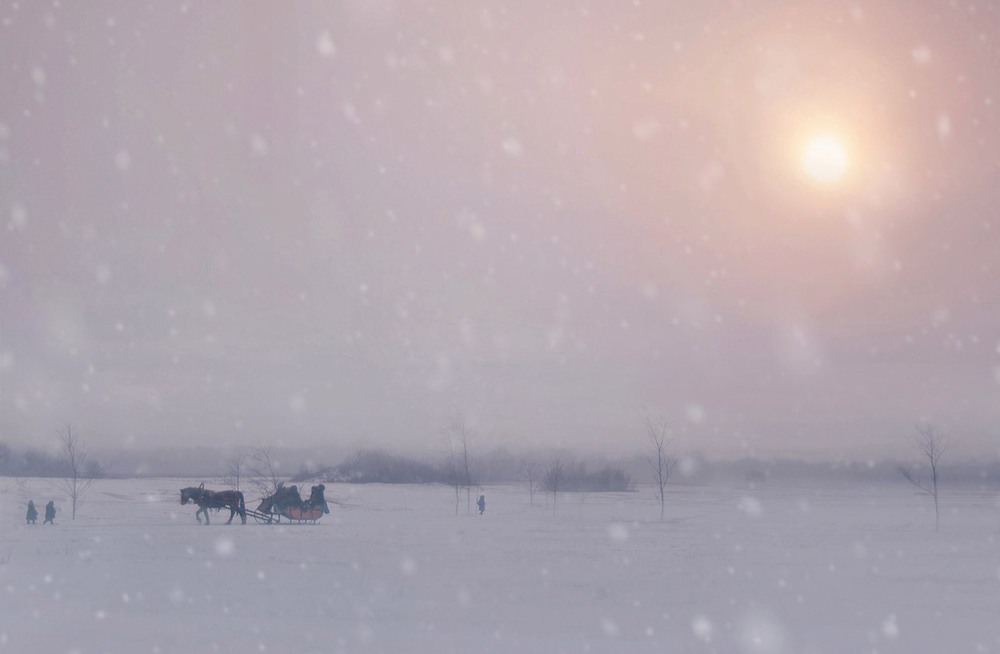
x: 824, y: 159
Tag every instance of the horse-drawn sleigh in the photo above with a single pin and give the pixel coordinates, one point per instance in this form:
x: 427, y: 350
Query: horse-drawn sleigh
x: 283, y: 503
x: 288, y: 504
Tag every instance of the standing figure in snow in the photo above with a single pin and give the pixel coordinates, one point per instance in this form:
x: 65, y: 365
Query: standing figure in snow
x: 50, y: 513
x: 481, y: 503
x: 32, y: 512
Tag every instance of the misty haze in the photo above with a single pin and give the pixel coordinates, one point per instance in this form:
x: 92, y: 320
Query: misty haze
x: 521, y: 327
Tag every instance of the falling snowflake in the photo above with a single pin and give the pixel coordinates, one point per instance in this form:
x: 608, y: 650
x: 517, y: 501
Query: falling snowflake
x: 325, y: 45
x: 512, y: 147
x: 944, y: 126
x: 123, y: 160
x: 890, y: 629
x: 225, y: 547
x: 702, y: 628
x: 921, y: 54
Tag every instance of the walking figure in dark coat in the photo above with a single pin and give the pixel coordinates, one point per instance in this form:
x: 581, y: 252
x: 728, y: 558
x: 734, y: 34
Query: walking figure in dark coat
x: 481, y: 503
x: 50, y: 512
x: 32, y: 512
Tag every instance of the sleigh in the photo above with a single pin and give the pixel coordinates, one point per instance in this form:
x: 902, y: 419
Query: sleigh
x: 287, y: 504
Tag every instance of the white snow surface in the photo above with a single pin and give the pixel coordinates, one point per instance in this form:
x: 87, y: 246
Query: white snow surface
x: 778, y: 569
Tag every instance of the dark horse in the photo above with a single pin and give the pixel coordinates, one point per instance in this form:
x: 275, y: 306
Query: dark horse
x: 208, y: 499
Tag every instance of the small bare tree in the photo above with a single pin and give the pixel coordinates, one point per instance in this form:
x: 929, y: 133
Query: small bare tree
x: 451, y: 471
x: 458, y: 467
x: 235, y: 471
x: 661, y: 464
x: 555, y: 475
x: 264, y: 471
x: 531, y: 472
x: 931, y: 442
x: 78, y: 471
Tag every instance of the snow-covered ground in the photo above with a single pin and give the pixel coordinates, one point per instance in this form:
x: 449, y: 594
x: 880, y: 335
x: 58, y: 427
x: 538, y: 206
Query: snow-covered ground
x: 393, y: 569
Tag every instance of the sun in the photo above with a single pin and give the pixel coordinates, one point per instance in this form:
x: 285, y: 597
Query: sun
x: 824, y: 159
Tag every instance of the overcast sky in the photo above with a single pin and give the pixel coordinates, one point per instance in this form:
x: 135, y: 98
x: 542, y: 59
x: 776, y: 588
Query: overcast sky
x: 347, y: 222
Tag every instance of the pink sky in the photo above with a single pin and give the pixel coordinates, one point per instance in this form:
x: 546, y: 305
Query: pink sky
x: 346, y: 222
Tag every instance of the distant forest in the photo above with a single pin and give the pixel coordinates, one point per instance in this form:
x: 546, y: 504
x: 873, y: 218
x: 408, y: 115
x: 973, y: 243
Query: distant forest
x: 550, y: 470
x: 33, y: 462
x: 559, y: 472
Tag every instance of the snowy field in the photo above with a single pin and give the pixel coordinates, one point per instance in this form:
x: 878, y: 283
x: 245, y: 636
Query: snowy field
x: 393, y: 569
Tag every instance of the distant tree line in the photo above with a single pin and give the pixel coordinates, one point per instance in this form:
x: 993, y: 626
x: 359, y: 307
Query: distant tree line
x: 379, y: 466
x: 561, y: 474
x: 33, y: 462
x: 575, y: 477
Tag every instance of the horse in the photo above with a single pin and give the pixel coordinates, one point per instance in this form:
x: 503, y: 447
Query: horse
x: 209, y: 499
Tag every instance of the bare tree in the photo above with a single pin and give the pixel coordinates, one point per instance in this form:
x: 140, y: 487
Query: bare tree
x: 530, y: 470
x: 553, y: 478
x: 264, y: 471
x: 459, y: 466
x: 235, y: 471
x: 931, y: 443
x: 451, y: 471
x: 661, y: 464
x: 78, y: 471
